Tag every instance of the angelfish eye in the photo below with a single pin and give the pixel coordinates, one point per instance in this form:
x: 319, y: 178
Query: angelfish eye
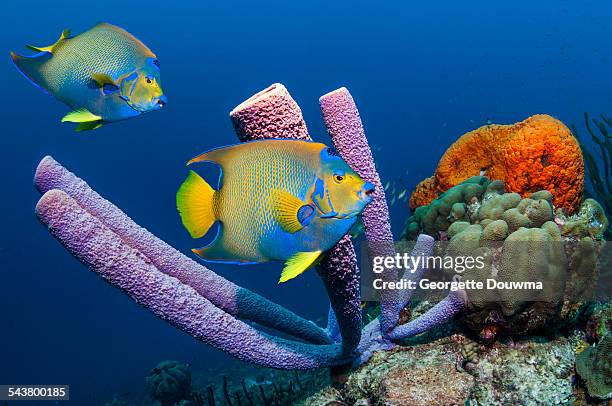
x: 149, y: 81
x: 338, y: 178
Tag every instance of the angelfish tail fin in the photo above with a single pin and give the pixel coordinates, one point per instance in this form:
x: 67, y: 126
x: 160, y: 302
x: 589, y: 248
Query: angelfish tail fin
x: 194, y: 201
x: 298, y: 263
x: 50, y: 48
x: 30, y: 68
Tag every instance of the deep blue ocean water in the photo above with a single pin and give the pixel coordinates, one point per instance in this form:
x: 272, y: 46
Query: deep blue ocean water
x: 421, y: 75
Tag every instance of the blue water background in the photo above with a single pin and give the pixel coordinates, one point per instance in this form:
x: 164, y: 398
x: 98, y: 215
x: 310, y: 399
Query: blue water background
x: 422, y: 74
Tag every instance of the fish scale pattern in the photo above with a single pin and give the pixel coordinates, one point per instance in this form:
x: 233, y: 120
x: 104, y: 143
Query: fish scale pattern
x: 105, y: 48
x: 260, y: 168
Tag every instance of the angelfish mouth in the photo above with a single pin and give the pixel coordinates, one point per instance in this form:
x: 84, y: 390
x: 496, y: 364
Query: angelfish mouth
x: 161, y: 102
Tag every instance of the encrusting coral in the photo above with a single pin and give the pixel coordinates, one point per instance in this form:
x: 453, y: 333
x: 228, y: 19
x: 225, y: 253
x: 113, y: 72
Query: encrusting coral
x: 539, y: 153
x: 520, y: 240
x: 216, y: 311
x: 594, y: 365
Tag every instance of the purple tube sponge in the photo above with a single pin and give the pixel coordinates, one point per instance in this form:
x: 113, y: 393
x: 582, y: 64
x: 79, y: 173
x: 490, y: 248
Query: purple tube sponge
x: 272, y: 113
x: 340, y: 275
x: 107, y: 254
x: 423, y: 248
x: 443, y: 311
x: 346, y: 130
x: 224, y: 294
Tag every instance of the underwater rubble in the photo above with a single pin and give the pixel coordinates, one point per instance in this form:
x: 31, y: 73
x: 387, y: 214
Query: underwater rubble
x: 534, y: 371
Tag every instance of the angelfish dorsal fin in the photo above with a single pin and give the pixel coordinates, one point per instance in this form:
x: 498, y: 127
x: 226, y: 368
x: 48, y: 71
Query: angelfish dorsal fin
x: 50, y: 48
x: 289, y: 210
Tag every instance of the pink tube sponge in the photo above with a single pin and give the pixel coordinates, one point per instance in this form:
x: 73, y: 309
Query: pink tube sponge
x: 271, y: 113
x: 346, y: 130
x: 108, y: 255
x: 224, y: 294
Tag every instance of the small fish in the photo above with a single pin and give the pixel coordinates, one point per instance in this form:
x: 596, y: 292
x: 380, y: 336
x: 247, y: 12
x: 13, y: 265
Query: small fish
x: 581, y: 346
x: 392, y: 201
x: 277, y: 200
x: 104, y: 75
x: 402, y: 194
x: 387, y: 185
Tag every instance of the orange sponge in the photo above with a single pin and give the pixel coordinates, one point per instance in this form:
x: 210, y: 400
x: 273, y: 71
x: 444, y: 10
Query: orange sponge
x: 539, y: 153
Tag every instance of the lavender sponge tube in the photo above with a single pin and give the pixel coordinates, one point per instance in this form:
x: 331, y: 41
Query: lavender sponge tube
x: 442, y: 311
x: 224, y: 294
x: 272, y: 113
x: 346, y: 130
x: 108, y: 255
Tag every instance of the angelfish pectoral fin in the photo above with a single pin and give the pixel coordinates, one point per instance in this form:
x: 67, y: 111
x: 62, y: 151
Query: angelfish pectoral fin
x: 105, y: 82
x: 298, y: 263
x: 291, y: 213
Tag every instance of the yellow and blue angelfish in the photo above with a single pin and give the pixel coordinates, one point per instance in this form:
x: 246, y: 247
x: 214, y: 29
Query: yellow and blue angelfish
x: 276, y: 200
x: 104, y: 75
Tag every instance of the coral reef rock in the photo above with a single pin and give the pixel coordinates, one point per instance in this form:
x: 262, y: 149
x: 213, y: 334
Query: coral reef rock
x: 169, y: 382
x: 530, y: 372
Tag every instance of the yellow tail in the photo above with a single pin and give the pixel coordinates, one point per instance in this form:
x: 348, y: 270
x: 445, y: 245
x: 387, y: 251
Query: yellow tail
x: 194, y: 201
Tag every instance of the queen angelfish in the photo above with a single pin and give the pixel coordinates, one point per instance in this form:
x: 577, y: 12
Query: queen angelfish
x: 276, y: 200
x: 104, y: 75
